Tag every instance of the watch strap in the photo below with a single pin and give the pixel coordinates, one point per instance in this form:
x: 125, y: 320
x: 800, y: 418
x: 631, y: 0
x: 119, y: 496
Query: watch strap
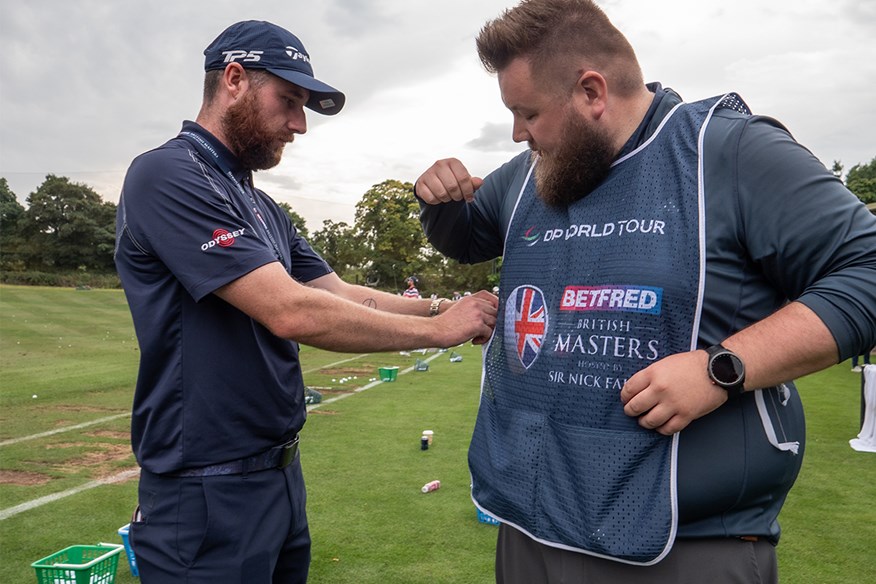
x: 435, y: 306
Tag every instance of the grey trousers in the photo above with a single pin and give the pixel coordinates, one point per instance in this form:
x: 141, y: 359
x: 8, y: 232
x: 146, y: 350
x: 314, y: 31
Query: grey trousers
x: 521, y: 560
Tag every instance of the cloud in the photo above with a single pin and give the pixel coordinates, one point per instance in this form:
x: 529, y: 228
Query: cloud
x: 494, y: 137
x: 359, y: 19
x: 88, y: 85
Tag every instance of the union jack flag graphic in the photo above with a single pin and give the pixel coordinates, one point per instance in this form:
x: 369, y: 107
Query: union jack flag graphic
x: 530, y: 322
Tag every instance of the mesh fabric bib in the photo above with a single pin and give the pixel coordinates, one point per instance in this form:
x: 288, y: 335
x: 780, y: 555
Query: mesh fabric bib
x: 591, y: 294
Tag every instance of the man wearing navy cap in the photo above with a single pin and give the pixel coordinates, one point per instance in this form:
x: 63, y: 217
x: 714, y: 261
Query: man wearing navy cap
x: 222, y: 287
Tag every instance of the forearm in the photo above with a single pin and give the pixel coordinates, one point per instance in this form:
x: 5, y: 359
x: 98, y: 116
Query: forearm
x: 376, y: 299
x: 401, y: 305
x: 327, y: 320
x: 448, y: 228
x: 668, y: 394
x: 788, y: 344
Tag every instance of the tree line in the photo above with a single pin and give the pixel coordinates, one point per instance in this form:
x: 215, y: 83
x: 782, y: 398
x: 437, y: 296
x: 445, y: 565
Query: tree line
x: 66, y: 234
x: 67, y: 229
x: 861, y: 179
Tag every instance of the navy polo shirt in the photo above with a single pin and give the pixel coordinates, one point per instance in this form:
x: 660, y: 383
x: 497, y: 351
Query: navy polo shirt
x: 214, y: 385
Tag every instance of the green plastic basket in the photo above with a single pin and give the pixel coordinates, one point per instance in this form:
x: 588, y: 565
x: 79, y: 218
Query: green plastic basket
x: 388, y: 373
x: 80, y: 564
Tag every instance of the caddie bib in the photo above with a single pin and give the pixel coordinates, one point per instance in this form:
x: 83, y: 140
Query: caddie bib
x: 589, y: 295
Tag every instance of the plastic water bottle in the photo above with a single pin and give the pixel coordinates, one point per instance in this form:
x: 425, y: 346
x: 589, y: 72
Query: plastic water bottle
x: 431, y: 486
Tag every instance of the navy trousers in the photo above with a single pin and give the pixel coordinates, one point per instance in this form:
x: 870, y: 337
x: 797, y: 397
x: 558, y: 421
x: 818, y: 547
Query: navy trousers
x: 234, y: 529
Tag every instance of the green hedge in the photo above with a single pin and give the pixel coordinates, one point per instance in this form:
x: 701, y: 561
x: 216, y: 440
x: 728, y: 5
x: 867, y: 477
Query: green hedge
x: 61, y: 280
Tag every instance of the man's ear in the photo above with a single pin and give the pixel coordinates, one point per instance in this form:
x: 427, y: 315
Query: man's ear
x: 235, y: 80
x: 590, y: 93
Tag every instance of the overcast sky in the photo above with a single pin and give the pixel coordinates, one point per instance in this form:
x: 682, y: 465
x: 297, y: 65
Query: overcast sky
x: 86, y: 85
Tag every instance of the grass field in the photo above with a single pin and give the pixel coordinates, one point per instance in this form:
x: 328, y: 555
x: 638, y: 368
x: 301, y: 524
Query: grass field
x: 75, y: 351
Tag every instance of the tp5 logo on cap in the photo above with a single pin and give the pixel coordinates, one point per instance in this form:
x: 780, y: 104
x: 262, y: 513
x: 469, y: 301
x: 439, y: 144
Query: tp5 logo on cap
x: 257, y: 44
x: 246, y: 57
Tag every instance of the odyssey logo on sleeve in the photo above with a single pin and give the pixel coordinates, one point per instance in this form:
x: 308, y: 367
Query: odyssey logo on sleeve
x: 222, y: 238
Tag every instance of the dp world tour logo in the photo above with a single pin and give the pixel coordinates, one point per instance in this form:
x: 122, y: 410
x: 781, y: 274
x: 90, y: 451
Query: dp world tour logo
x: 531, y: 238
x: 526, y: 317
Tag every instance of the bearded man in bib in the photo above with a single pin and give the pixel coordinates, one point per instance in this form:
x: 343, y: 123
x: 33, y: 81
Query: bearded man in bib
x: 668, y: 269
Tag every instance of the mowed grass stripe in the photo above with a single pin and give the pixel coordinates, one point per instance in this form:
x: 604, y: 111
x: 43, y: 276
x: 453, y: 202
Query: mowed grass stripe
x: 74, y: 350
x: 128, y: 414
x: 51, y: 314
x: 64, y: 429
x: 33, y: 504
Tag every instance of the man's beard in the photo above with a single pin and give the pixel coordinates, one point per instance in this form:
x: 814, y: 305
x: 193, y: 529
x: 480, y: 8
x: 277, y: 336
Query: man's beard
x: 255, y: 145
x: 579, y: 164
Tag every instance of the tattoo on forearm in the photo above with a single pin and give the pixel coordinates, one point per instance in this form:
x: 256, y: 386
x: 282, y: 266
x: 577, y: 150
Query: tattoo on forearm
x: 370, y: 303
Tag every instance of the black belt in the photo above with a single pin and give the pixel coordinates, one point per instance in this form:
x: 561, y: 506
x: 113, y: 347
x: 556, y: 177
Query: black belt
x: 277, y: 457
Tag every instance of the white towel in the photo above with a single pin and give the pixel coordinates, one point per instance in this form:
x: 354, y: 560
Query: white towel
x: 866, y: 440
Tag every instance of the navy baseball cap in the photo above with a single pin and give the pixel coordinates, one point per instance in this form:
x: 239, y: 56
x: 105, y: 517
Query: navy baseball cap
x: 257, y: 44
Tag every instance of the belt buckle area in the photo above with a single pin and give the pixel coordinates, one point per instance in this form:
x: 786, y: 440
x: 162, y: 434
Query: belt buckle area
x: 288, y: 452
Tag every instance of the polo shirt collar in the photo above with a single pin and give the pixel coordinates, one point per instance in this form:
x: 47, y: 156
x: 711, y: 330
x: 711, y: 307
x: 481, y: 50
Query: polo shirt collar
x: 227, y: 158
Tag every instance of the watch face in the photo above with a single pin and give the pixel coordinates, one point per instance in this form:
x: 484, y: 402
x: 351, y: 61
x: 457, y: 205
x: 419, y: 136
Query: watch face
x: 727, y: 368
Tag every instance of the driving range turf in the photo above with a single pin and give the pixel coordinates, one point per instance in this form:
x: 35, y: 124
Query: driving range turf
x: 68, y: 361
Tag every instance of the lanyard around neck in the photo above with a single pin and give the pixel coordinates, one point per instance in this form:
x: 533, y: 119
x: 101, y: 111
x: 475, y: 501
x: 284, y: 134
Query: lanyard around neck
x: 207, y: 151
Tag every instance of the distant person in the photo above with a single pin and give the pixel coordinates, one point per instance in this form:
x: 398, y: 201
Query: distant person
x: 667, y: 269
x: 222, y: 288
x: 411, y: 291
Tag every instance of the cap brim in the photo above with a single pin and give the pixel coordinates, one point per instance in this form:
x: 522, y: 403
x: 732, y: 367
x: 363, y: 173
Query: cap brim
x: 324, y: 98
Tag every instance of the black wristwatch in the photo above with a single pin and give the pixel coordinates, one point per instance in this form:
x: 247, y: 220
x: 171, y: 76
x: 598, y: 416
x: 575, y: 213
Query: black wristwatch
x: 726, y: 369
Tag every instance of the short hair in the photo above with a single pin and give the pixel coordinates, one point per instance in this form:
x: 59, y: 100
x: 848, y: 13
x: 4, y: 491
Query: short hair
x: 548, y: 32
x: 211, y: 81
x: 211, y: 84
